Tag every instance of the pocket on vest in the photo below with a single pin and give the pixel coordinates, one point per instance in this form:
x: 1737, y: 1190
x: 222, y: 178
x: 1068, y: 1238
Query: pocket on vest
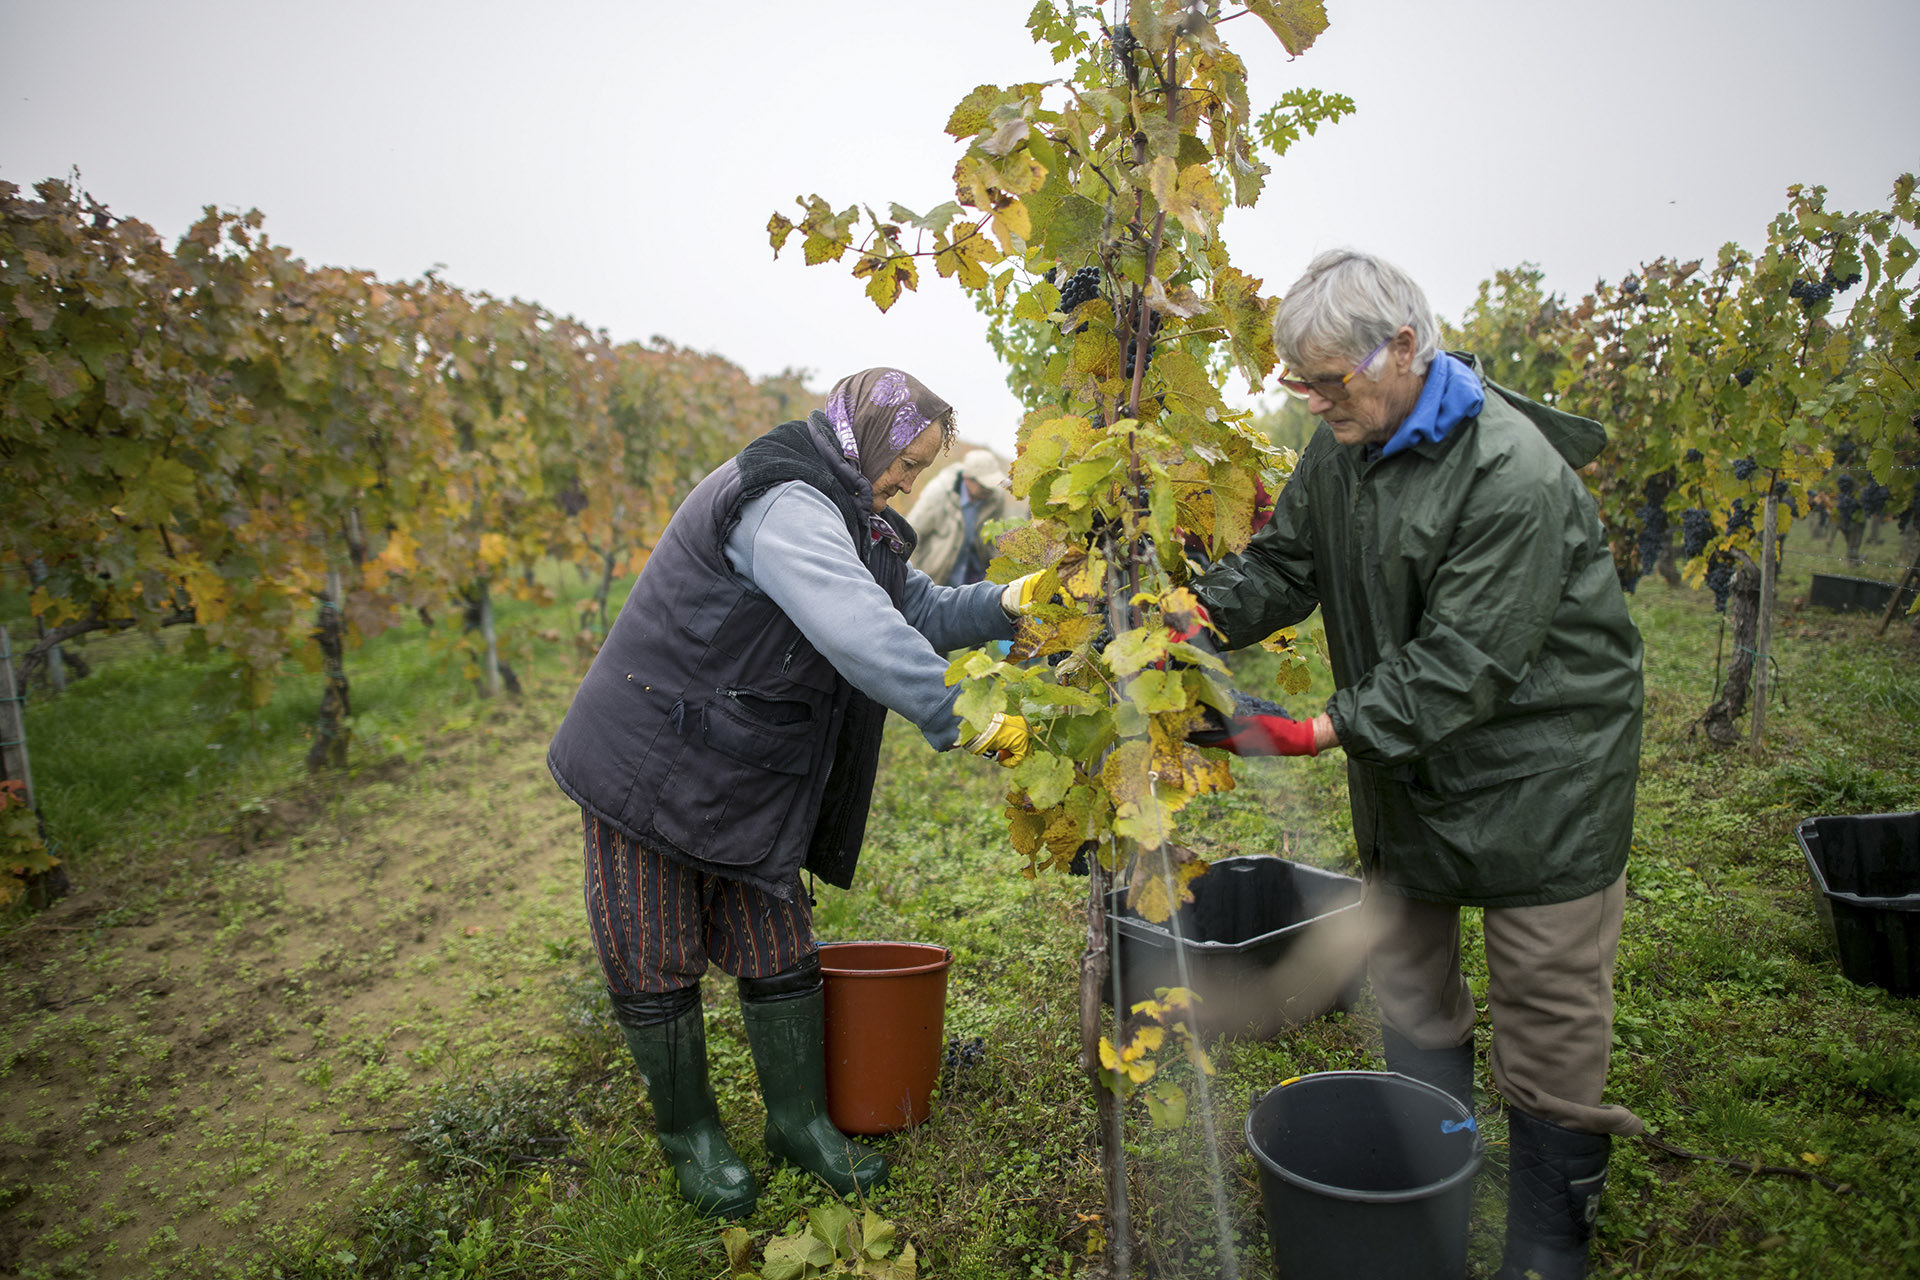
x: 729, y: 794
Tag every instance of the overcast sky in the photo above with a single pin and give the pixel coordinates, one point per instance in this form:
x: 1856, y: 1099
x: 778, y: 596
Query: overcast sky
x: 617, y: 162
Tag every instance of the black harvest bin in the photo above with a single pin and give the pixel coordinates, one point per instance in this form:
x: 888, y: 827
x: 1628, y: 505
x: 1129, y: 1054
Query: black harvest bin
x: 1866, y: 881
x: 1845, y: 594
x: 1269, y: 944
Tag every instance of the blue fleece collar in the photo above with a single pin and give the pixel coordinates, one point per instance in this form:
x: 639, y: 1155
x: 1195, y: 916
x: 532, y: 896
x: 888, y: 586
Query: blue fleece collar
x: 1452, y: 394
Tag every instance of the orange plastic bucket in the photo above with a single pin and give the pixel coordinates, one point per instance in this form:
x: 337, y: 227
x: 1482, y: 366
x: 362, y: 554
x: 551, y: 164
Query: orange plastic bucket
x: 886, y: 1023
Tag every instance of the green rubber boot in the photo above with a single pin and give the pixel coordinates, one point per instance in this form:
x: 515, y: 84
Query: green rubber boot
x: 672, y: 1057
x: 790, y: 1055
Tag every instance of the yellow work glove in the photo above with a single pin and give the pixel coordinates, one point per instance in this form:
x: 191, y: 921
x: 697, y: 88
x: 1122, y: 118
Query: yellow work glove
x: 1005, y: 738
x: 1017, y: 596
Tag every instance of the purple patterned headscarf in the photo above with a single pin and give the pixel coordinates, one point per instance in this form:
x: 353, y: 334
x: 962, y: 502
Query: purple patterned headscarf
x: 877, y: 413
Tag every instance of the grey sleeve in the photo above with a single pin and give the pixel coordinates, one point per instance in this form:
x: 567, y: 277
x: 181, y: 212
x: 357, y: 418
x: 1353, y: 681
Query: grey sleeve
x: 955, y: 617
x: 791, y: 544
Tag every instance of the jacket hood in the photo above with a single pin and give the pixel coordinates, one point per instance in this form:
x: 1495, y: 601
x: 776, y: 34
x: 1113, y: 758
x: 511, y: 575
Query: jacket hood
x: 1578, y: 440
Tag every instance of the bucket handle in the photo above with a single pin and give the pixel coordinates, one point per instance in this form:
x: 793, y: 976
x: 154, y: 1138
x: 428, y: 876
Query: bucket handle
x: 1446, y: 1126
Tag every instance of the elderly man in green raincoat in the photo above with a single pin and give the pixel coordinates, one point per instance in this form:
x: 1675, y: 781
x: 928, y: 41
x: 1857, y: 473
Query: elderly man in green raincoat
x: 1489, y: 704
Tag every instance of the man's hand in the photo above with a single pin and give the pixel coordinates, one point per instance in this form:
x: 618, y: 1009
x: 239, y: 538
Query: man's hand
x: 1259, y: 728
x: 1006, y: 739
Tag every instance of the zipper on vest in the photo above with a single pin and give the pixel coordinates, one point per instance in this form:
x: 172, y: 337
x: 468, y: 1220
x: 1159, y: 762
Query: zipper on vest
x: 788, y: 660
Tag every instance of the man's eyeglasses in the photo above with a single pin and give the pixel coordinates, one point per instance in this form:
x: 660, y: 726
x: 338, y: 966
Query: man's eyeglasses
x: 1330, y: 388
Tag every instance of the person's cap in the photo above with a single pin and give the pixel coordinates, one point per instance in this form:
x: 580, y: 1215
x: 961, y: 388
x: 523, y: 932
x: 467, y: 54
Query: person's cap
x: 982, y: 467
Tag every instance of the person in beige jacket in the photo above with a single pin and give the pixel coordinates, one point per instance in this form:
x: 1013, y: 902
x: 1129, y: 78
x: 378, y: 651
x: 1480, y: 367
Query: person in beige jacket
x: 953, y: 506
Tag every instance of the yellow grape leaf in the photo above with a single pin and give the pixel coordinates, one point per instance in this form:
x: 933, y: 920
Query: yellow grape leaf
x: 1182, y: 612
x: 738, y: 1246
x: 1146, y: 1040
x: 1085, y: 578
x: 975, y: 111
x: 493, y: 549
x: 1035, y: 638
x: 1135, y: 650
x: 779, y: 228
x: 208, y: 591
x: 1125, y: 773
x: 1295, y: 678
x: 1024, y: 829
x: 1149, y: 901
x: 967, y: 254
x: 1298, y: 23
x: 1188, y: 194
x: 1012, y: 221
x: 1248, y: 320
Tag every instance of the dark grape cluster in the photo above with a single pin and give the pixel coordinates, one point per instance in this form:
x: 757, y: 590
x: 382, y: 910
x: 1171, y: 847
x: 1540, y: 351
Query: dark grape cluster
x: 1720, y: 580
x: 1653, y: 534
x: 1745, y: 376
x: 1873, y: 498
x: 1153, y: 327
x: 1844, y: 450
x: 1082, y: 286
x: 1846, y: 509
x: 1839, y: 284
x: 1741, y: 517
x: 963, y: 1054
x: 1810, y: 293
x: 1696, y: 531
x: 1744, y: 467
x: 1694, y: 455
x: 1630, y: 285
x: 1844, y: 484
x: 1245, y: 704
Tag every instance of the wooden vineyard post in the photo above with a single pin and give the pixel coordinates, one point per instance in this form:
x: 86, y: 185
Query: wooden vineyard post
x: 43, y: 886
x: 13, y: 721
x: 1763, y: 640
x: 1899, y: 590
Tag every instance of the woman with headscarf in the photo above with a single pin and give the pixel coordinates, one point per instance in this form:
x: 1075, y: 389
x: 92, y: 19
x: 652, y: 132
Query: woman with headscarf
x: 726, y: 738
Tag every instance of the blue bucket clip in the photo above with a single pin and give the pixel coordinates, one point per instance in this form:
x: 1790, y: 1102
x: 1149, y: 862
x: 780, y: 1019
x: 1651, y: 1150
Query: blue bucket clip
x: 1455, y: 1126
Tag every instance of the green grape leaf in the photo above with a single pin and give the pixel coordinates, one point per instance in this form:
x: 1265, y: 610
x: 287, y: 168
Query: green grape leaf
x: 1167, y: 1106
x: 1044, y: 777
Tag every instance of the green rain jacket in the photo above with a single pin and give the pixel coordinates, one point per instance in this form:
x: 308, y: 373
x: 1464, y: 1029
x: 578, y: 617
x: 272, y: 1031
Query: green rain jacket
x: 1487, y: 672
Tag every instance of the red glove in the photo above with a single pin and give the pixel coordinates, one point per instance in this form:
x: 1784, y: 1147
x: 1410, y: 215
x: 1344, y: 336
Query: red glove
x: 1256, y: 731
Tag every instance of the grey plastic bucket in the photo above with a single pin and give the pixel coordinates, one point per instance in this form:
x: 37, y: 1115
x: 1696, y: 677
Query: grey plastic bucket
x: 1364, y: 1175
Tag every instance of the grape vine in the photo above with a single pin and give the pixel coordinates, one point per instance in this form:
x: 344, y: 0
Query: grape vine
x: 1116, y: 176
x: 1728, y: 384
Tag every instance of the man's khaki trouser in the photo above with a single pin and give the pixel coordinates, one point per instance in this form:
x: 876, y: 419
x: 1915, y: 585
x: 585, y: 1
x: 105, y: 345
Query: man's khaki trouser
x: 1549, y: 994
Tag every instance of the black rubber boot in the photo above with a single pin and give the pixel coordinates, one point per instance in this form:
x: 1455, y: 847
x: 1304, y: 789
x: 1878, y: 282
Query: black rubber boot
x: 786, y: 1025
x: 1553, y: 1196
x: 672, y: 1057
x: 1449, y: 1070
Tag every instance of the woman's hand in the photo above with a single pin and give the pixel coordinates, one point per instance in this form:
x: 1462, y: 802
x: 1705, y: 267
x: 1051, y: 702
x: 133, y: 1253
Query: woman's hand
x: 1016, y: 598
x: 1006, y: 738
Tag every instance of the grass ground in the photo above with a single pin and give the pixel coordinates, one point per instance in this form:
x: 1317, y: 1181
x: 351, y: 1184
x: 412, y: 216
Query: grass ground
x: 351, y: 1028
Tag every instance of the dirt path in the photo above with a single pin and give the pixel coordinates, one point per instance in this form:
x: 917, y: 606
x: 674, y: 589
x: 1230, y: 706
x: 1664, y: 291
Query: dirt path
x: 206, y: 1060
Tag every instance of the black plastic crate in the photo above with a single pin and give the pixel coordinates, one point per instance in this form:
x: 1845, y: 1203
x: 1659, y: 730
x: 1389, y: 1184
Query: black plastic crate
x: 1269, y: 944
x: 1866, y: 881
x: 1854, y: 595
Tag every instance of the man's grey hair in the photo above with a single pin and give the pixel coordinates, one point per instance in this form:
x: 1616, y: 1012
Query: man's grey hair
x: 1347, y: 304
